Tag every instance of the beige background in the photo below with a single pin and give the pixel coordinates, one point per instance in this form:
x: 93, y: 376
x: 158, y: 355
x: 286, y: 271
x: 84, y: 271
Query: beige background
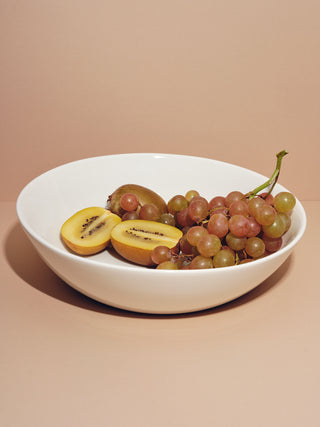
x: 237, y: 81
x: 233, y: 80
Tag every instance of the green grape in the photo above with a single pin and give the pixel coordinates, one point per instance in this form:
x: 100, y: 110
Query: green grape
x: 286, y: 219
x: 208, y: 245
x: 224, y: 258
x: 235, y: 242
x: 276, y: 229
x: 254, y: 204
x: 191, y: 194
x: 167, y: 265
x: 284, y: 202
x: 265, y: 214
x: 201, y: 262
x: 177, y: 203
x: 255, y: 247
x: 167, y: 218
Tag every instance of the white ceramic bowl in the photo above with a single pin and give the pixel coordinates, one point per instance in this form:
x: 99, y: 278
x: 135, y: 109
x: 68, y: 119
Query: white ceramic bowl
x: 47, y: 201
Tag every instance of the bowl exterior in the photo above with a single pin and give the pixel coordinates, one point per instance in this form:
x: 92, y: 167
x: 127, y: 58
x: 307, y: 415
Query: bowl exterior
x: 158, y: 292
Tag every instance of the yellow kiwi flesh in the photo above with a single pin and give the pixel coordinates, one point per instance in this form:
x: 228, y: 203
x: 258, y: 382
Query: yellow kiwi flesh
x: 88, y: 231
x: 134, y: 240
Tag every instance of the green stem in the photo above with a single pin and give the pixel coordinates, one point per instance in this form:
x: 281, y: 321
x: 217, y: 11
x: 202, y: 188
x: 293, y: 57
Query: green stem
x: 272, y: 180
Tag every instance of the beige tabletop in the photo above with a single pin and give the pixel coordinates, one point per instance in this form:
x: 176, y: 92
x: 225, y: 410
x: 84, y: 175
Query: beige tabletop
x: 235, y: 81
x: 67, y: 360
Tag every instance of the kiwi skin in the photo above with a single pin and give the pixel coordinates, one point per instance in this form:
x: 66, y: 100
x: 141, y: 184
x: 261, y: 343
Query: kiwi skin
x: 145, y: 196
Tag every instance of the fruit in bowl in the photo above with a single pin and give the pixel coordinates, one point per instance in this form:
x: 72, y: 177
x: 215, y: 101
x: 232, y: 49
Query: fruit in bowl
x: 196, y: 236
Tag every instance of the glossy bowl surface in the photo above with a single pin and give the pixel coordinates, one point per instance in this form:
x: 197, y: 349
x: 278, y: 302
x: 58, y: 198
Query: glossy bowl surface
x: 48, y: 200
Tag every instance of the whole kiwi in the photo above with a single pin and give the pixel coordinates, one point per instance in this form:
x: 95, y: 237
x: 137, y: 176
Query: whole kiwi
x: 145, y: 196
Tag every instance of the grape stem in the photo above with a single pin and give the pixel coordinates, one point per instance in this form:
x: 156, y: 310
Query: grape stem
x: 272, y: 180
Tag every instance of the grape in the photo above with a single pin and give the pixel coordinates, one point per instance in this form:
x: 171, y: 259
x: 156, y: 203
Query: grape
x: 167, y: 218
x: 284, y: 202
x: 185, y: 229
x: 149, y: 212
x: 286, y: 219
x: 236, y: 243
x: 233, y: 196
x: 194, y: 234
x: 276, y: 229
x: 160, y: 254
x: 246, y: 260
x: 268, y: 198
x: 218, y: 225
x: 255, y: 247
x: 223, y: 258
x: 239, y: 225
x: 191, y: 194
x: 254, y: 227
x: 129, y: 202
x: 185, y: 247
x: 208, y: 245
x: 239, y: 207
x: 183, y: 218
x: 198, y: 209
x: 265, y: 214
x: 222, y: 210
x: 226, y: 247
x: 167, y: 265
x: 272, y: 245
x: 177, y: 203
x: 254, y: 204
x: 217, y: 202
x: 201, y: 262
x: 130, y: 215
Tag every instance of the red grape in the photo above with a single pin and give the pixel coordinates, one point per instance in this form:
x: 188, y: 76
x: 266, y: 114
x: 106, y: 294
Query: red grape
x: 218, y: 225
x: 129, y: 202
x: 195, y: 233
x: 160, y: 254
x: 239, y: 225
x: 149, y: 212
x: 198, y: 209
x: 239, y: 207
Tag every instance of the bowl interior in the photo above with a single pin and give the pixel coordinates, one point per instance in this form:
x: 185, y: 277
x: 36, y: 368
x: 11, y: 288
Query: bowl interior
x: 47, y: 201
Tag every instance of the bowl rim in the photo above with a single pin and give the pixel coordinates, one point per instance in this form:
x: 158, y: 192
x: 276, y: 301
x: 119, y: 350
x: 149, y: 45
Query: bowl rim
x: 127, y: 265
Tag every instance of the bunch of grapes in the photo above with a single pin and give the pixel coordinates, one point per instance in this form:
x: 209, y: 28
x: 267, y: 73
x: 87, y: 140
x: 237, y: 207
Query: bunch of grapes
x: 225, y: 231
